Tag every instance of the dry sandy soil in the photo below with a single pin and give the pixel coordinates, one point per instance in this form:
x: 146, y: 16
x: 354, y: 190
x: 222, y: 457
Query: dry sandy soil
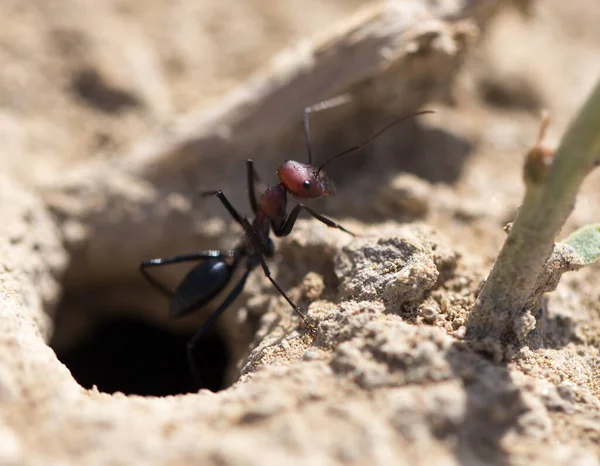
x: 114, y: 115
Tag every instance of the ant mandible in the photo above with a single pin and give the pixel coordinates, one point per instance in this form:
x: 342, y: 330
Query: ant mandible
x: 216, y: 269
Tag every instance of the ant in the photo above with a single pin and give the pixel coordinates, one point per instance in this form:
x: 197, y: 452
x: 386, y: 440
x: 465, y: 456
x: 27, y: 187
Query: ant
x: 216, y: 269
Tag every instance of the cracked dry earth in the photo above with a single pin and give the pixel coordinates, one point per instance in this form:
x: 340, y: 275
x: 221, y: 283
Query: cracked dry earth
x: 388, y: 379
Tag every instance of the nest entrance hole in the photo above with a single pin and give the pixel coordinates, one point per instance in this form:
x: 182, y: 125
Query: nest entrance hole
x: 137, y: 358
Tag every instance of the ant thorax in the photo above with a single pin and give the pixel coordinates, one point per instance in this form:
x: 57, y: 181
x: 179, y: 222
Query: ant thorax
x: 272, y: 203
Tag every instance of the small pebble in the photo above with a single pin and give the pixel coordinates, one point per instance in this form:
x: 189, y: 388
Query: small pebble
x: 408, y: 193
x: 429, y: 314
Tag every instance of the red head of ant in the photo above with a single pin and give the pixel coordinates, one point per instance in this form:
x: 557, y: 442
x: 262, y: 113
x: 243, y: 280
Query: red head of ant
x: 303, y: 181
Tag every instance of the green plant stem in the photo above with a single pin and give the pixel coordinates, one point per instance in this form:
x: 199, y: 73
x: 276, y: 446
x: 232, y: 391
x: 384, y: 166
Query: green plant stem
x: 500, y: 306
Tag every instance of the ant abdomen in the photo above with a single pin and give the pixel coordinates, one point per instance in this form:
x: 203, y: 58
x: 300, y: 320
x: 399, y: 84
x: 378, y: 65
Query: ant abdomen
x: 200, y: 285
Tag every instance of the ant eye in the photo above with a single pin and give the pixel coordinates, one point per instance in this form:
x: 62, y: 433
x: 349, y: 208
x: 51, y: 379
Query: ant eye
x: 306, y: 185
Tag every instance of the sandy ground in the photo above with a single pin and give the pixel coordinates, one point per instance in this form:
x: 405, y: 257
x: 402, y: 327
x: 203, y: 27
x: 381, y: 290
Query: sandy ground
x: 71, y: 94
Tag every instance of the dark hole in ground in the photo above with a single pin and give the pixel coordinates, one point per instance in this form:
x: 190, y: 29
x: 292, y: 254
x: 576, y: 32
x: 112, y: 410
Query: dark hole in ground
x: 137, y: 358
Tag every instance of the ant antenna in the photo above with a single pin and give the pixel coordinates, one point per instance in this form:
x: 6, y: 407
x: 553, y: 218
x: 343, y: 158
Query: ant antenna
x: 333, y: 102
x: 372, y: 138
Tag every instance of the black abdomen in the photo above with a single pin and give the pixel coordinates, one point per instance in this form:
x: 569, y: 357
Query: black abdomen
x: 200, y: 286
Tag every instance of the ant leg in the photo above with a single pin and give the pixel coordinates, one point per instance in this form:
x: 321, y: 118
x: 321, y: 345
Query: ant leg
x: 252, y: 177
x: 307, y: 110
x: 286, y: 228
x: 210, y: 254
x: 214, y: 316
x: 295, y: 307
x: 333, y: 102
x: 232, y: 211
x: 256, y: 240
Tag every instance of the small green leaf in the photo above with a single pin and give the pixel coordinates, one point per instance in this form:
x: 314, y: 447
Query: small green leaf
x: 586, y: 243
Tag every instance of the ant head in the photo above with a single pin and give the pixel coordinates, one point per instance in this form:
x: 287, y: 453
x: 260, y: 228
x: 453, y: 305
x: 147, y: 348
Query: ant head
x: 303, y: 181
